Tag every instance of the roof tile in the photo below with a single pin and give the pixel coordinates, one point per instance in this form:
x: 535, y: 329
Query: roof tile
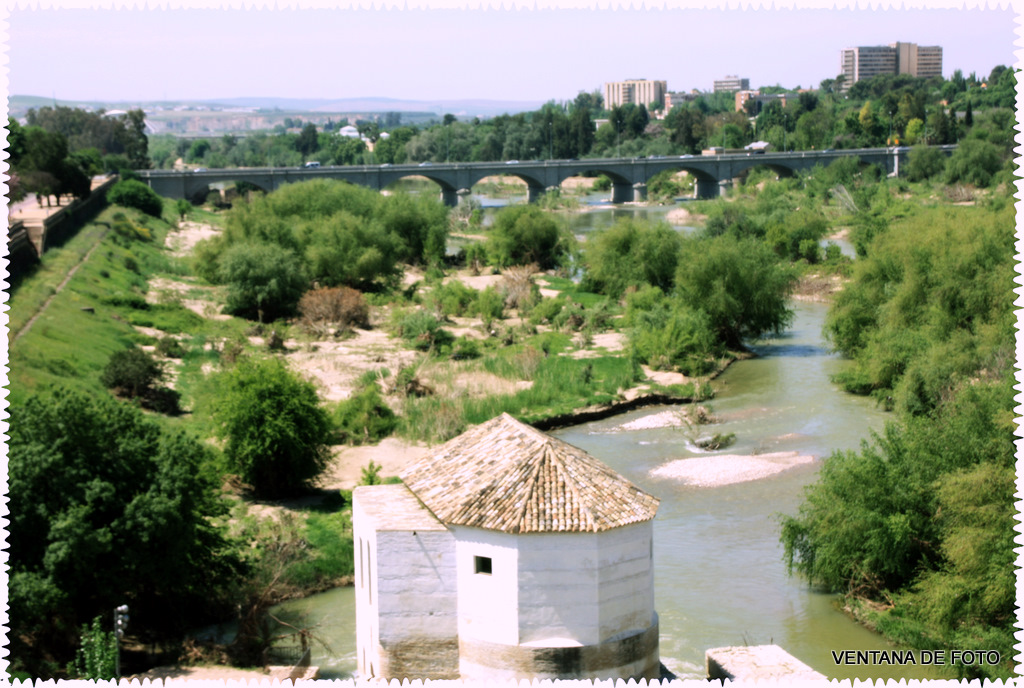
x: 505, y: 475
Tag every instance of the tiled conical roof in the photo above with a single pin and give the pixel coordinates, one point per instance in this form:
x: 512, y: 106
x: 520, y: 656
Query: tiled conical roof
x: 505, y: 475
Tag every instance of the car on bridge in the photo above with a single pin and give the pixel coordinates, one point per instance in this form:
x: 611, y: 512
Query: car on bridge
x: 312, y: 163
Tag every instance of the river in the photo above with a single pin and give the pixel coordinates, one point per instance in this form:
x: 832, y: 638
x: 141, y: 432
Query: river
x: 719, y: 574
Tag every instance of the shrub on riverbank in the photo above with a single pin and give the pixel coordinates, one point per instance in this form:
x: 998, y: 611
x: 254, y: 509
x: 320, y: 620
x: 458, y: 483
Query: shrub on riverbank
x: 276, y: 432
x: 525, y: 234
x: 131, y: 193
x: 631, y: 253
x: 344, y: 235
x: 930, y: 305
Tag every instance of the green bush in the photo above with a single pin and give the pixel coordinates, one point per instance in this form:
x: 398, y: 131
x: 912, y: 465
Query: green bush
x: 135, y: 194
x: 131, y: 372
x: 797, y: 236
x: 465, y: 348
x: 740, y: 284
x: 96, y: 657
x: 264, y: 282
x: 489, y: 305
x: 169, y: 347
x: 364, y: 418
x: 925, y: 162
x: 524, y: 235
x: 277, y: 433
x: 629, y: 254
x: 974, y: 162
x: 453, y: 298
x: 546, y: 310
x: 424, y: 332
x: 669, y: 335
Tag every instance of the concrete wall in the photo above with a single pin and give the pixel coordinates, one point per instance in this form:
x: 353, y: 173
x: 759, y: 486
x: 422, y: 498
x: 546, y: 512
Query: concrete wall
x: 626, y: 580
x: 406, y: 623
x: 631, y: 657
x: 488, y: 604
x: 558, y: 589
x: 557, y: 605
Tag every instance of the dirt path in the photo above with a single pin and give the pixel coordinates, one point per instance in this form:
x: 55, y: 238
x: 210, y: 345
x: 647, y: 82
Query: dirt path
x: 71, y: 273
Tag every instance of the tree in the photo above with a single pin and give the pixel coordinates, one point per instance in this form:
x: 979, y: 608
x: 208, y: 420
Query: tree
x: 106, y: 507
x: 276, y: 432
x: 308, y: 142
x: 581, y: 132
x: 924, y: 162
x: 526, y: 234
x: 974, y: 162
x: 135, y: 194
x: 182, y: 207
x: 131, y: 371
x: 741, y: 285
x: 198, y: 150
x: 631, y: 254
x: 264, y: 281
x: 133, y: 139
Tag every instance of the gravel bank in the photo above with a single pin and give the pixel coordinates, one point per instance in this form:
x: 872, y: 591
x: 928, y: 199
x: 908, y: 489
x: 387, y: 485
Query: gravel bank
x: 726, y: 469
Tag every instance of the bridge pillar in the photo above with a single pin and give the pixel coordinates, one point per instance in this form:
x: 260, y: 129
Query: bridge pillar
x: 724, y: 187
x: 622, y: 192
x: 534, y: 193
x: 706, y: 188
x: 639, y: 192
x: 450, y: 197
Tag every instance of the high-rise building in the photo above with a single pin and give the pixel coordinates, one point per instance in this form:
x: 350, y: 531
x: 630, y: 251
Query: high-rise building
x: 635, y: 91
x: 731, y: 84
x: 865, y: 62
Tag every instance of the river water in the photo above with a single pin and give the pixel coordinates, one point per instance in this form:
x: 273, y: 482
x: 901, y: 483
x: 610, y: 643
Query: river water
x: 719, y: 574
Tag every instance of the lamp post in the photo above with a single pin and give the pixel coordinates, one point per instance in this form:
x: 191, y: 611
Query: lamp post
x: 120, y: 624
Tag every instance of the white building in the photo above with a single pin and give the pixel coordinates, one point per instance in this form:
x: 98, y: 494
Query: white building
x: 505, y: 554
x: 635, y: 91
x: 864, y: 62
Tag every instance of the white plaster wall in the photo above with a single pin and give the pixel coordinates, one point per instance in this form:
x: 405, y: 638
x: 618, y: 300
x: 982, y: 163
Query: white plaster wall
x: 488, y: 605
x: 416, y: 585
x: 558, y: 589
x: 626, y: 580
x: 367, y: 621
x: 555, y: 589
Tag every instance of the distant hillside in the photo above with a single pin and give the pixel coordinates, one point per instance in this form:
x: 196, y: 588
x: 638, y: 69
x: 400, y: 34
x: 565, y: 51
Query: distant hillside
x: 20, y: 104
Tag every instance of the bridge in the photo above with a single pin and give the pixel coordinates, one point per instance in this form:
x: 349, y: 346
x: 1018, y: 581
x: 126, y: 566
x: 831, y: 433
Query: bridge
x: 714, y: 174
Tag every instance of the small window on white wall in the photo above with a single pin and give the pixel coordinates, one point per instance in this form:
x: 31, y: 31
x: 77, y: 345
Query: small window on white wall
x: 482, y: 565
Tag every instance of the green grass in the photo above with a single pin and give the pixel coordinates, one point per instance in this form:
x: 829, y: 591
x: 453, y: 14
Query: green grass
x: 73, y: 338
x: 572, y: 290
x: 32, y: 291
x: 331, y: 551
x: 560, y: 385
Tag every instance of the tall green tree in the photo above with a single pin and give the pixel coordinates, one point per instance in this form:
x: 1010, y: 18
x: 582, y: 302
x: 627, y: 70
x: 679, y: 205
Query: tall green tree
x: 264, y: 282
x: 631, y: 254
x: 740, y: 283
x: 277, y: 434
x: 106, y: 507
x: 308, y: 142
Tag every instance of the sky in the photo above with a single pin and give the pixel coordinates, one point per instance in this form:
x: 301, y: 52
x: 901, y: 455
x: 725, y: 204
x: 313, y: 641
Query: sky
x: 433, y: 54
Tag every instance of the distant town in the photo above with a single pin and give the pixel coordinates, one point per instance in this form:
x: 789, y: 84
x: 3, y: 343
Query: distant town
x: 242, y: 115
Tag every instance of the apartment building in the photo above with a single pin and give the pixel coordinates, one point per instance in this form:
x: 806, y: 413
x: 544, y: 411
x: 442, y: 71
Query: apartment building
x: 635, y: 91
x: 865, y: 62
x: 731, y: 84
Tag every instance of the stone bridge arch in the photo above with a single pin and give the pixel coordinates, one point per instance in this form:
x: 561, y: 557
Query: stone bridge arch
x: 197, y: 188
x: 444, y: 179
